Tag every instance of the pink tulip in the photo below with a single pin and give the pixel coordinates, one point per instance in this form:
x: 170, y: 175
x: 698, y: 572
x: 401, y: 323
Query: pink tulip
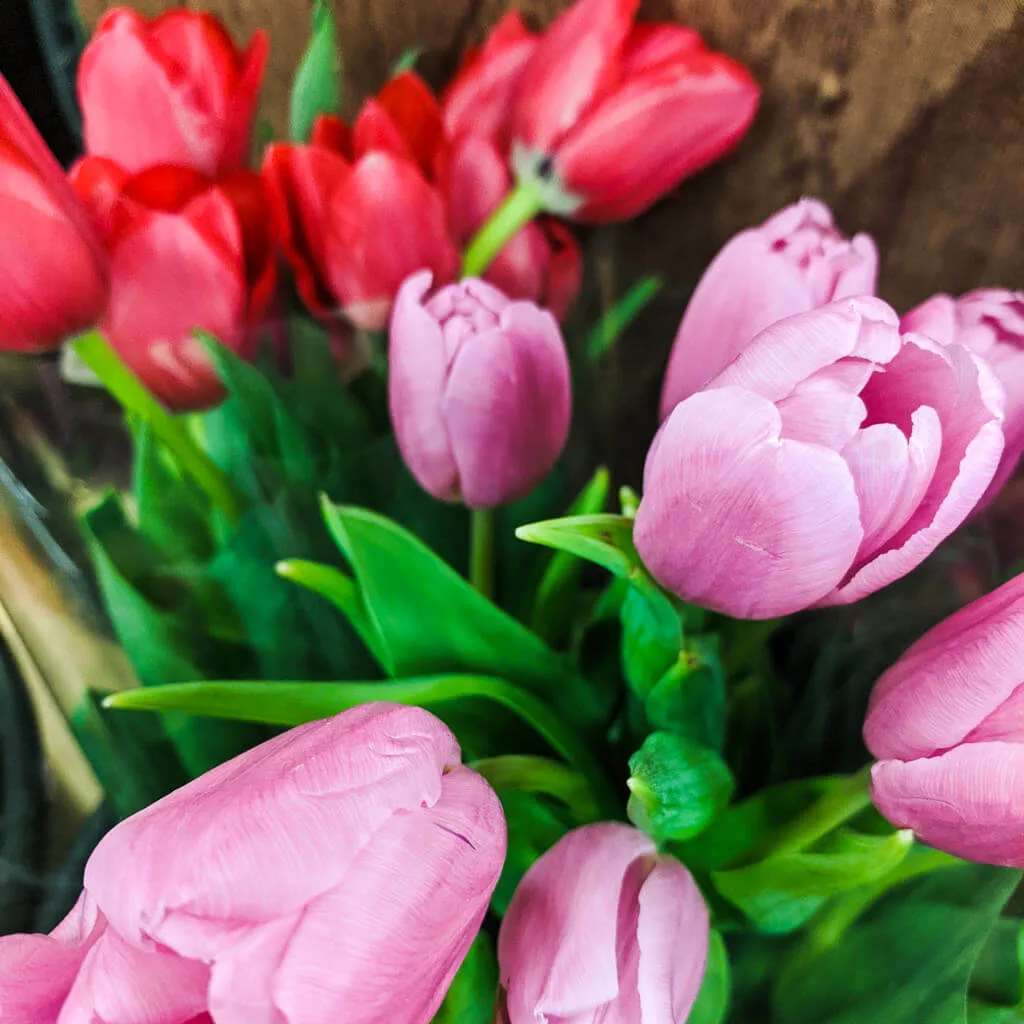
x: 171, y: 90
x: 795, y: 262
x: 989, y: 321
x: 337, y: 872
x: 479, y: 391
x: 43, y: 299
x: 946, y: 723
x: 827, y: 460
x: 603, y: 930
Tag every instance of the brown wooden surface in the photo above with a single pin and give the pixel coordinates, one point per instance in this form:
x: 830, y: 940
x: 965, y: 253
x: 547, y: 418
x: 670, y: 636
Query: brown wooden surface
x: 907, y: 116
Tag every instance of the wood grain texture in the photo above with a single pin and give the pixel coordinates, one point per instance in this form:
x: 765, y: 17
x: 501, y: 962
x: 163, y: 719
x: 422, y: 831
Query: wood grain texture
x: 906, y: 116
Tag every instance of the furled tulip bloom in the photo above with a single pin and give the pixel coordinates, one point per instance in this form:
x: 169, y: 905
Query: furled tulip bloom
x: 337, y: 872
x: 594, y: 87
x: 360, y: 210
x: 185, y: 253
x: 946, y: 723
x: 42, y: 299
x: 795, y: 262
x: 479, y: 391
x: 989, y: 321
x: 603, y: 930
x: 827, y: 460
x: 171, y: 90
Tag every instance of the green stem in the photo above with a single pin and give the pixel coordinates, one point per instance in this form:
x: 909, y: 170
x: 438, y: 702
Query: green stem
x: 96, y: 352
x: 833, y: 809
x: 481, y: 553
x: 292, y: 704
x: 528, y: 774
x: 521, y: 205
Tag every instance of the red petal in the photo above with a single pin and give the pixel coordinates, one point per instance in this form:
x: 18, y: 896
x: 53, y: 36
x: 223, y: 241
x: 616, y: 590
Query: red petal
x: 565, y: 268
x: 168, y: 187
x: 332, y: 133
x: 653, y: 43
x: 374, y: 131
x: 414, y: 112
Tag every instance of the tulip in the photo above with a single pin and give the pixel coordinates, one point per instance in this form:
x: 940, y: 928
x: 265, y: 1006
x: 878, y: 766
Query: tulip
x: 989, y: 321
x: 337, y: 872
x: 603, y: 929
x: 795, y: 262
x: 827, y: 460
x: 185, y: 253
x: 170, y: 90
x: 479, y: 391
x: 571, y: 103
x: 42, y: 299
x: 946, y: 723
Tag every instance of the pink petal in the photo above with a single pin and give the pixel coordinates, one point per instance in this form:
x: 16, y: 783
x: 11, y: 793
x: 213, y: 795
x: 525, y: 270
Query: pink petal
x: 557, y: 947
x: 968, y: 801
x: 936, y: 317
x: 739, y: 520
x: 829, y: 418
x: 857, y: 273
x: 652, y: 43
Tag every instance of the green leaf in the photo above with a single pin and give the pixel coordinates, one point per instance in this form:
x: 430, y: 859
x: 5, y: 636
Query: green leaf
x: 782, y: 893
x: 651, y: 638
x: 712, y: 1003
x: 471, y: 998
x: 317, y: 86
x: 407, y: 62
x: 689, y: 699
x: 908, y: 960
x: 677, y: 787
x: 618, y: 318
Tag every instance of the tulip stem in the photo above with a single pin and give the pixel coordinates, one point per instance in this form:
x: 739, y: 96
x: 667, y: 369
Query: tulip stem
x: 97, y: 353
x: 481, y: 551
x: 520, y: 206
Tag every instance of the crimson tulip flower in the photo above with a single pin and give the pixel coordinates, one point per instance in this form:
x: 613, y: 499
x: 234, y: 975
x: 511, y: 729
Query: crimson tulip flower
x: 186, y: 253
x: 600, y: 116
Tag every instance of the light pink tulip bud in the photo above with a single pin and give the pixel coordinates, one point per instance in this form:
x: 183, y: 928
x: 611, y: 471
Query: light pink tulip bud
x: 603, y: 929
x: 989, y: 321
x: 795, y: 262
x: 338, y: 872
x: 946, y: 723
x: 827, y: 460
x: 479, y: 391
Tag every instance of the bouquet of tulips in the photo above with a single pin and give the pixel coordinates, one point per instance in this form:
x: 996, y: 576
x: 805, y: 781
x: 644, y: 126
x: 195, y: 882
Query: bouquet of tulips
x: 408, y: 719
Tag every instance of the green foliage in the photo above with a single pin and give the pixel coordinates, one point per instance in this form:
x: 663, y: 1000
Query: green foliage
x: 712, y: 1003
x: 689, y: 699
x: 534, y: 826
x: 317, y: 86
x: 471, y: 998
x: 651, y: 638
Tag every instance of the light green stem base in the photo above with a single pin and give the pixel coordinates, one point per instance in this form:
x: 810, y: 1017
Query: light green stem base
x: 521, y: 205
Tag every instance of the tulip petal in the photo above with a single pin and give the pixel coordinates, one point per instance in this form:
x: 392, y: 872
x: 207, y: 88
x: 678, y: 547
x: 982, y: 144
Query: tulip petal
x: 386, y: 943
x: 413, y: 111
x: 829, y: 418
x: 557, y: 947
x: 968, y: 801
x: 653, y: 43
x: 737, y: 519
x: 507, y: 406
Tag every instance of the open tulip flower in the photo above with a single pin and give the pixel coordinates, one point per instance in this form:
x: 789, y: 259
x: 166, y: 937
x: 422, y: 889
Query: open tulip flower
x: 185, y: 253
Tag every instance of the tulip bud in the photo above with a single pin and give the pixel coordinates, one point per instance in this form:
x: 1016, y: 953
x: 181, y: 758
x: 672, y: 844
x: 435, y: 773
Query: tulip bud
x: 795, y: 262
x: 989, y: 321
x: 337, y: 872
x: 946, y: 723
x: 53, y: 270
x: 827, y: 460
x: 479, y: 391
x: 171, y: 90
x: 603, y: 929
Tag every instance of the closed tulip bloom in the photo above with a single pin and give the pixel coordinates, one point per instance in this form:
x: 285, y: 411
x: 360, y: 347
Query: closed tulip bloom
x: 479, y: 391
x: 337, y: 872
x: 946, y: 723
x: 603, y: 930
x: 795, y: 262
x: 186, y: 253
x: 827, y: 460
x: 43, y: 299
x: 173, y: 89
x: 989, y: 321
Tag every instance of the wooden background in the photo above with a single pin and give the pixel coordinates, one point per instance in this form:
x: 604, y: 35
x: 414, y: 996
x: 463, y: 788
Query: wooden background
x: 906, y: 116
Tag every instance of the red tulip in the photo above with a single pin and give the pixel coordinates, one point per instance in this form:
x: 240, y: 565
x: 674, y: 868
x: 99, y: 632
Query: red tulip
x: 603, y: 116
x: 171, y: 90
x: 53, y: 270
x: 186, y: 253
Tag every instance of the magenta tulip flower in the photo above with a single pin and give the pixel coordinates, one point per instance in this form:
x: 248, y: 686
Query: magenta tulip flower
x: 989, y: 321
x: 795, y: 262
x: 337, y: 872
x: 827, y: 460
x: 479, y: 391
x: 604, y: 930
x: 946, y: 723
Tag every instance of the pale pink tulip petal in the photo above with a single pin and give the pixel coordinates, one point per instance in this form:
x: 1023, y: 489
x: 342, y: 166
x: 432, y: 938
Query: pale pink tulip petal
x: 830, y: 418
x: 738, y: 519
x: 1005, y: 723
x: 935, y: 318
x: 36, y: 975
